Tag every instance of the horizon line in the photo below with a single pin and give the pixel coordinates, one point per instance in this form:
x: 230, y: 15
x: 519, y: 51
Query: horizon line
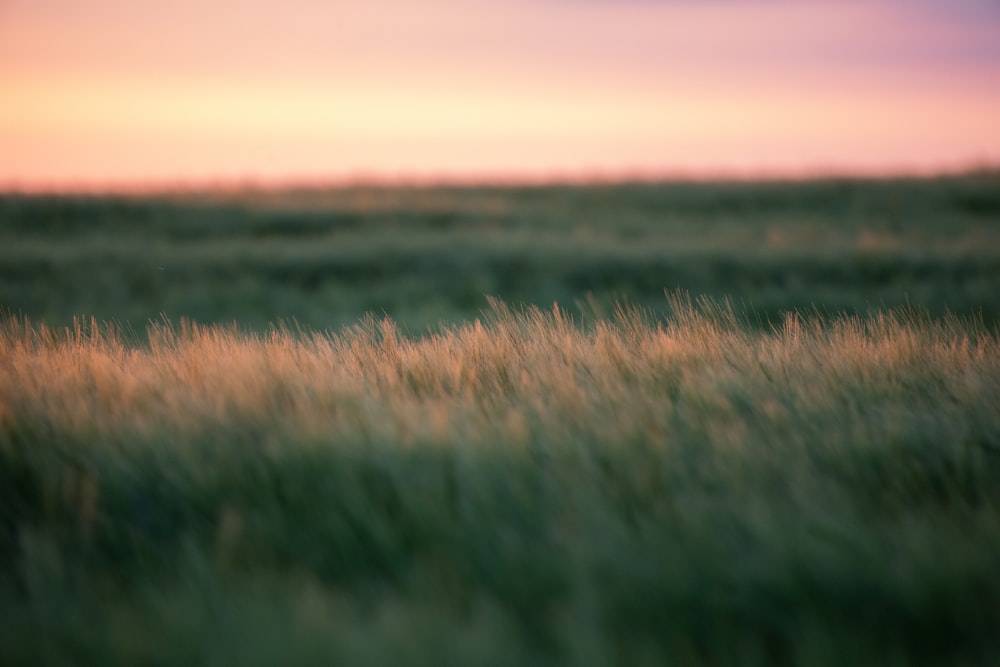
x: 499, y: 179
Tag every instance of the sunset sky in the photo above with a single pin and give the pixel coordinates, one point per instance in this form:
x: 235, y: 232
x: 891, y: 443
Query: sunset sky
x: 121, y: 93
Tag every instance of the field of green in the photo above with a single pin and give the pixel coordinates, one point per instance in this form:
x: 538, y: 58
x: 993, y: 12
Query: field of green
x: 423, y: 255
x: 292, y: 428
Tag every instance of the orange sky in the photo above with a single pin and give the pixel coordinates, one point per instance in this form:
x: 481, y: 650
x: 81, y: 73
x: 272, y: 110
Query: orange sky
x: 117, y: 93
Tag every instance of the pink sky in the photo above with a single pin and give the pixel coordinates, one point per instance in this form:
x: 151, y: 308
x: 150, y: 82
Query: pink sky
x: 121, y: 93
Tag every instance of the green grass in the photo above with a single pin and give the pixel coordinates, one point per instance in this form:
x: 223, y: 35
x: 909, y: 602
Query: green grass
x: 426, y: 255
x: 808, y: 477
x: 518, y: 490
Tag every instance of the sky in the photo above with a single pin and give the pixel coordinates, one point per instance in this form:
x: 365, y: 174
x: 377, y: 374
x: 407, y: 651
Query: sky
x: 122, y: 94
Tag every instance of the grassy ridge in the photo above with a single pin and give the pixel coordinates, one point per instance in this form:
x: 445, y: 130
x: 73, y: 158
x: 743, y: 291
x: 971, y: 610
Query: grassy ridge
x: 516, y: 490
x: 423, y: 255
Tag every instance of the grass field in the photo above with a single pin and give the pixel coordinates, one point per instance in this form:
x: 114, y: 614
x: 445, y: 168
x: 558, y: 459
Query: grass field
x: 423, y: 255
x: 679, y: 481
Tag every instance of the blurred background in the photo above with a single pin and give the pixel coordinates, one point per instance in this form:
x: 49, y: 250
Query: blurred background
x: 318, y: 160
x: 423, y: 255
x: 112, y: 93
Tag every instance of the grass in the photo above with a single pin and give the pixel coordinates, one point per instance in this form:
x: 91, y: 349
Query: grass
x: 809, y: 477
x: 426, y: 255
x: 679, y: 485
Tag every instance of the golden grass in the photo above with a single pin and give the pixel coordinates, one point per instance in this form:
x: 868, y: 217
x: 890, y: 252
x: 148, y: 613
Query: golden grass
x: 519, y: 373
x: 624, y: 484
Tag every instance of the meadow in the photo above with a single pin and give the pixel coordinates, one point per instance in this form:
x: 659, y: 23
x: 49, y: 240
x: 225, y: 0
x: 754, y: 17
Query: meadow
x: 325, y: 257
x: 228, y: 461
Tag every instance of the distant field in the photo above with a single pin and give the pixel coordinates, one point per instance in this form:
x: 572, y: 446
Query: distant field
x: 423, y: 255
x: 513, y: 492
x: 210, y: 454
